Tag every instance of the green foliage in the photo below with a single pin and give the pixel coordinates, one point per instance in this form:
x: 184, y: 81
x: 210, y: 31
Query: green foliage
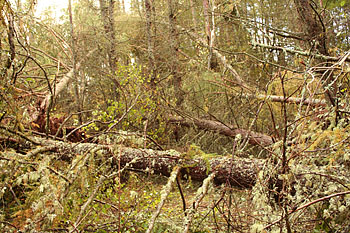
x: 136, y: 104
x: 337, y: 3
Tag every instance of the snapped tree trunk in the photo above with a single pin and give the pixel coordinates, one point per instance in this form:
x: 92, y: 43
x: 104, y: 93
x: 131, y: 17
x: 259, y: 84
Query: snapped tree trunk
x: 77, y: 96
x: 208, y: 8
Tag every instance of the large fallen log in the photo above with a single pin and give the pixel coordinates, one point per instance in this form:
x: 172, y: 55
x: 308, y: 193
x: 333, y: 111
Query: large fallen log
x: 238, y: 172
x: 254, y: 138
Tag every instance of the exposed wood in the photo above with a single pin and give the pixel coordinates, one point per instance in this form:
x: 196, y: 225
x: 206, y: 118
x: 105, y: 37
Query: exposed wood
x: 63, y: 83
x: 227, y: 130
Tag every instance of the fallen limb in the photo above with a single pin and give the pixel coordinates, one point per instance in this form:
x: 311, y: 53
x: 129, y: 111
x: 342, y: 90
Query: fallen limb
x: 227, y: 130
x: 294, y: 100
x: 302, y: 53
x: 307, y: 205
x: 238, y: 80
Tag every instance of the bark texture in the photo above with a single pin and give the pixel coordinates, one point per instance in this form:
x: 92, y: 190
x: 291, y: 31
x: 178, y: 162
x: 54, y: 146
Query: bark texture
x: 174, y: 46
x: 238, y: 172
x: 254, y: 138
x: 316, y: 36
x: 150, y: 40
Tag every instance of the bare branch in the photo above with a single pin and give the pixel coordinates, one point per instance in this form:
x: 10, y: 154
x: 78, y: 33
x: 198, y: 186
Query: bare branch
x: 164, y: 194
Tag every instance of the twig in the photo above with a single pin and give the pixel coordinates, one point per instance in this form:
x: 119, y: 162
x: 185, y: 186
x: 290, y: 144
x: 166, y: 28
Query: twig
x: 20, y: 134
x: 307, y: 205
x: 202, y: 191
x: 124, y: 115
x: 38, y: 150
x: 182, y: 195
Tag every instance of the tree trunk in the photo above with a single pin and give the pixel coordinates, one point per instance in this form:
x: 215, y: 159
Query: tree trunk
x: 254, y: 138
x: 238, y: 172
x: 123, y: 6
x: 209, y: 19
x: 107, y: 13
x: 317, y: 38
x: 77, y: 97
x: 174, y: 45
x: 149, y: 8
x: 193, y: 12
x: 41, y: 110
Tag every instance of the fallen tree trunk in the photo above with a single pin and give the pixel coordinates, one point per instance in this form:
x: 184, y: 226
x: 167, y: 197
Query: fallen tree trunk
x: 62, y: 84
x: 254, y: 138
x: 293, y: 100
x: 238, y: 172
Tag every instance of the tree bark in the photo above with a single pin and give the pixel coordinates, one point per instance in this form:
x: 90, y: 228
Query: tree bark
x: 208, y: 8
x: 254, y: 138
x: 107, y: 13
x: 174, y: 45
x: 62, y: 84
x: 315, y: 30
x: 238, y: 172
x: 150, y: 41
x: 281, y: 99
x: 78, y: 102
x: 193, y: 12
x: 312, y: 24
x: 11, y: 41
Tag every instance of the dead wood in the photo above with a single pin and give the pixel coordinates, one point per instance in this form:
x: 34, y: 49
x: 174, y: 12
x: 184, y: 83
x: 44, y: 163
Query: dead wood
x: 227, y: 130
x: 235, y: 171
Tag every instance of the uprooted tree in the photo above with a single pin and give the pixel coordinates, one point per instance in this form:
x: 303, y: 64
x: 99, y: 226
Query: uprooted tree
x: 175, y: 117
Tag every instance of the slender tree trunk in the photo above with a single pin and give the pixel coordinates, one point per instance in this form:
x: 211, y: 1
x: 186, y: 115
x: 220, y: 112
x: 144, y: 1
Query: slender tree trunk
x: 107, y: 13
x: 149, y: 8
x: 74, y: 58
x: 208, y: 8
x: 123, y: 6
x: 11, y: 41
x: 193, y: 15
x: 174, y: 44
